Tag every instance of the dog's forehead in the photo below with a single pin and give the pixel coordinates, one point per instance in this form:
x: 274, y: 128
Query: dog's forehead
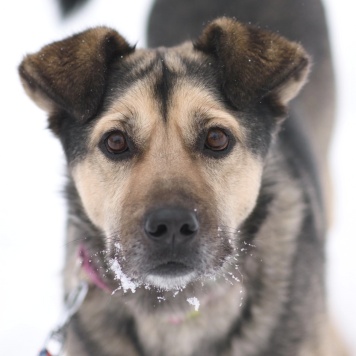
x: 181, y: 60
x: 159, y: 73
x: 163, y: 87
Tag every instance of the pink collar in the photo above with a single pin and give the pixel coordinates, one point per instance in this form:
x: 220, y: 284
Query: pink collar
x: 91, y: 270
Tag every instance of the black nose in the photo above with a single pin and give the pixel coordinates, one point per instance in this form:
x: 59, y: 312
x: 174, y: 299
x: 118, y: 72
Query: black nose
x: 171, y: 225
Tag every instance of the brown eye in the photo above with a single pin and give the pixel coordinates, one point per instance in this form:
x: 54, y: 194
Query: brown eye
x: 216, y: 139
x: 116, y: 142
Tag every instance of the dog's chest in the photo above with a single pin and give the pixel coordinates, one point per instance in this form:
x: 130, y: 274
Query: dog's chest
x: 192, y: 333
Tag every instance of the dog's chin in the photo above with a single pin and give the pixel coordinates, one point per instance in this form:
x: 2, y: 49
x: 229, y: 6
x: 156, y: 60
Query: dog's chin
x: 171, y: 276
x: 170, y: 283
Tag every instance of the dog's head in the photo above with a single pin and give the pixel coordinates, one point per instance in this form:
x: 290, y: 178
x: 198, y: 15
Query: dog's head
x: 166, y: 146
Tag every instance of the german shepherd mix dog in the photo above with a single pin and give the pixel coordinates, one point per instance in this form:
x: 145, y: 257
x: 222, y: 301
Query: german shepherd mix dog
x: 195, y: 208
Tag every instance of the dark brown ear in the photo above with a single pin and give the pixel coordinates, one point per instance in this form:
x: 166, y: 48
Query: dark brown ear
x: 71, y: 74
x: 254, y: 63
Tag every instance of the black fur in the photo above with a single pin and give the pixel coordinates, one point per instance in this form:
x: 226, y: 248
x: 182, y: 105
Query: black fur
x: 69, y: 6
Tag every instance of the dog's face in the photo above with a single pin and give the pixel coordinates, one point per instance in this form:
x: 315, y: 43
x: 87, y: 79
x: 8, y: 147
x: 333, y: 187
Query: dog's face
x: 166, y: 147
x: 169, y: 178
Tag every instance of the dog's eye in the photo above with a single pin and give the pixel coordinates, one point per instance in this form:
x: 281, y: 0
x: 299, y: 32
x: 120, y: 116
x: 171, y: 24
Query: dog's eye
x: 116, y: 142
x: 216, y: 140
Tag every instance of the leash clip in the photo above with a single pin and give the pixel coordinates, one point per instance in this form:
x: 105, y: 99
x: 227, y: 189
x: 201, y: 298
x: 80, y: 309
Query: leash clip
x: 55, y: 340
x: 75, y: 300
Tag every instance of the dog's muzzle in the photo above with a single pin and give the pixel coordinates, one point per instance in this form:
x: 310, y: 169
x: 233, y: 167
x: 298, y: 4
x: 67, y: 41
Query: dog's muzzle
x: 171, y: 232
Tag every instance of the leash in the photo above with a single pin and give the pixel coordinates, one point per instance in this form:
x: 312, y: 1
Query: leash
x: 54, y: 343
x: 55, y: 340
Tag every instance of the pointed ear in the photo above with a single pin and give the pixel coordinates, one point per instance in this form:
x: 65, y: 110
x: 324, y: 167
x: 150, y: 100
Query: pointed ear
x: 71, y: 75
x: 254, y: 64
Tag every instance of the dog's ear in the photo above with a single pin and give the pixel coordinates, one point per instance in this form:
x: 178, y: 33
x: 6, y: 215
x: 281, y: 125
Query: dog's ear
x: 71, y: 75
x: 254, y: 64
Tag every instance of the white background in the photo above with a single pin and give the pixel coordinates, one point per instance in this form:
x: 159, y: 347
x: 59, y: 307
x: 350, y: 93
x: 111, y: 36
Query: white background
x: 32, y: 210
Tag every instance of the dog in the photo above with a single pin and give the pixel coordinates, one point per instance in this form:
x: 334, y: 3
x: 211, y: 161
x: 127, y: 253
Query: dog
x: 197, y: 191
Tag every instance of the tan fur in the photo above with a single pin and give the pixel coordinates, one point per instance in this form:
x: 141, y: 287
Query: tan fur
x: 326, y: 343
x: 214, y: 320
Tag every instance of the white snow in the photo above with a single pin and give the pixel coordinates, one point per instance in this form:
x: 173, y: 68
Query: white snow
x: 194, y: 302
x: 126, y: 283
x: 32, y: 210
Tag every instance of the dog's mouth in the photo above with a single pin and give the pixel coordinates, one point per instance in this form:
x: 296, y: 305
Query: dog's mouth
x: 171, y: 269
x: 166, y: 276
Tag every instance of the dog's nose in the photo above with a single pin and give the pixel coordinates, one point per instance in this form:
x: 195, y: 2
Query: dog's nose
x: 171, y: 225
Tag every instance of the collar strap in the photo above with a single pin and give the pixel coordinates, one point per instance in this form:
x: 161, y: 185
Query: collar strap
x: 91, y: 270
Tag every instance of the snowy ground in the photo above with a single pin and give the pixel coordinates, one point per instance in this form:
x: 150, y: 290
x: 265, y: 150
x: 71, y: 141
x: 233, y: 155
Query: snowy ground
x: 31, y: 206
